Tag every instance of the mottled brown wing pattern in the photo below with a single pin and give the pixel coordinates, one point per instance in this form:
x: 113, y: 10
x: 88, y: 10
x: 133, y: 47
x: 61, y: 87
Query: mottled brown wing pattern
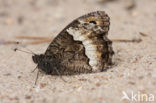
x: 82, y: 47
x: 70, y: 53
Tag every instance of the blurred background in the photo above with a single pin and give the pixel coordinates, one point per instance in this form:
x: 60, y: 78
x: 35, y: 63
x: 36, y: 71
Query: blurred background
x: 49, y: 17
x: 134, y: 68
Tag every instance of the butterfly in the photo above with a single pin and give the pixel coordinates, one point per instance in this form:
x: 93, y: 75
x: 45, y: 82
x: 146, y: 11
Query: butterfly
x: 81, y: 47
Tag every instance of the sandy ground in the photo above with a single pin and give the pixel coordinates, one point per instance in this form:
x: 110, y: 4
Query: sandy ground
x: 134, y: 71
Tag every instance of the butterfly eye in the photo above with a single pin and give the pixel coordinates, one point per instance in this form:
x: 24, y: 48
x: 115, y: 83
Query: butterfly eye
x: 103, y: 55
x: 92, y: 22
x: 45, y: 64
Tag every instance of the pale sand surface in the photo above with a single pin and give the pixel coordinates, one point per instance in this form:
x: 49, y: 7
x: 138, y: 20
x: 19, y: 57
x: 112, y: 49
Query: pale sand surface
x: 135, y: 63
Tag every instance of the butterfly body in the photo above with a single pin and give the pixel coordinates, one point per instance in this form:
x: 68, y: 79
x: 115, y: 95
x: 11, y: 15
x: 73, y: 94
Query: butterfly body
x: 82, y: 47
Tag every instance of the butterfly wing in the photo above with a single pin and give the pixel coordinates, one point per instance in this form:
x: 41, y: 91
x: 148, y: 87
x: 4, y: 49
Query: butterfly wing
x: 83, y: 45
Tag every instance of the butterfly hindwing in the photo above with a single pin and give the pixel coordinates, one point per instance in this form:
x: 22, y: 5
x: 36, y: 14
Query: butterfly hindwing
x: 81, y: 47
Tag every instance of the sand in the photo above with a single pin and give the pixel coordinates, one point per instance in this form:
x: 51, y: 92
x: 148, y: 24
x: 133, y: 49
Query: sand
x: 134, y: 72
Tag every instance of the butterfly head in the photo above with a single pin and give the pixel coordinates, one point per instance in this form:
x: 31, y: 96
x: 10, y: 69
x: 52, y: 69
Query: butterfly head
x: 45, y: 63
x: 41, y: 62
x: 37, y: 58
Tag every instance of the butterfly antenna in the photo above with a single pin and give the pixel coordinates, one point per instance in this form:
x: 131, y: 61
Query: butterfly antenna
x: 37, y: 77
x: 16, y: 49
x: 60, y: 75
x: 30, y: 50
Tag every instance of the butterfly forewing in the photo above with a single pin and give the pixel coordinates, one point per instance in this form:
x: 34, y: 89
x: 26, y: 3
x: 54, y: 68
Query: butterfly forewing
x: 82, y: 47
